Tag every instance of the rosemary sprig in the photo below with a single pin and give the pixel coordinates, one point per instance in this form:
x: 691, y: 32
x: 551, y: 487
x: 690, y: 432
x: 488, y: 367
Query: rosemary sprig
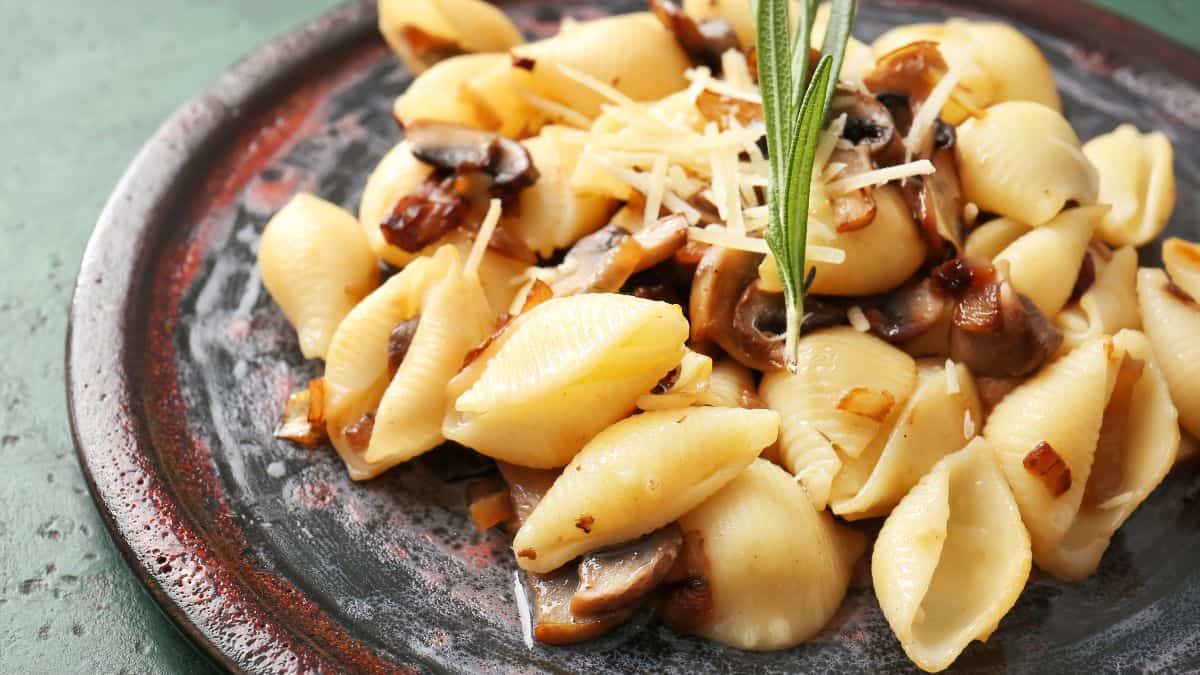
x: 795, y: 107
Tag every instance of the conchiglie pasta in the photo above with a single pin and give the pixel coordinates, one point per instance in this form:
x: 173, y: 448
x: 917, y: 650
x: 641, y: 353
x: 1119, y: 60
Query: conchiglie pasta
x: 550, y: 215
x: 731, y: 385
x: 560, y: 373
x: 997, y: 62
x: 941, y: 416
x: 987, y: 240
x: 1137, y: 177
x: 1040, y: 262
x: 688, y: 382
x: 777, y: 568
x: 1172, y: 323
x: 952, y: 558
x: 440, y: 93
x: 396, y: 175
x: 1106, y: 308
x: 501, y: 95
x: 421, y: 31
x: 453, y: 317
x: 1082, y: 444
x: 631, y: 53
x: 1023, y: 160
x: 846, y: 387
x: 317, y: 266
x: 1182, y: 262
x: 356, y: 367
x: 879, y: 257
x: 637, y: 476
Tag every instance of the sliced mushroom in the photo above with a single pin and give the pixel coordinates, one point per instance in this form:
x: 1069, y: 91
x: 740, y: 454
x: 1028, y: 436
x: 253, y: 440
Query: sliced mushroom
x: 869, y: 124
x: 703, y: 41
x: 911, y: 71
x: 620, y: 577
x: 854, y: 210
x: 687, y: 601
x: 461, y: 149
x: 909, y: 312
x: 601, y: 262
x: 937, y: 203
x: 728, y: 308
x: 426, y: 214
x: 660, y: 240
x: 998, y: 332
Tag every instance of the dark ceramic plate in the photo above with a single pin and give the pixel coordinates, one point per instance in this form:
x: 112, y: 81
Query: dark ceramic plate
x: 271, y: 559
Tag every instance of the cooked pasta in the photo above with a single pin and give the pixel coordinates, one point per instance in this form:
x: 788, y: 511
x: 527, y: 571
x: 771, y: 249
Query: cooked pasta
x: 1024, y: 161
x: 317, y: 266
x: 1172, y: 322
x: 952, y: 558
x: 795, y: 581
x: 615, y: 490
x: 1137, y: 178
x: 598, y: 285
x: 1082, y: 444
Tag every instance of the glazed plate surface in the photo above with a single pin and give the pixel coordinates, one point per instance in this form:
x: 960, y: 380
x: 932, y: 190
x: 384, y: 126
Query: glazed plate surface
x: 271, y: 558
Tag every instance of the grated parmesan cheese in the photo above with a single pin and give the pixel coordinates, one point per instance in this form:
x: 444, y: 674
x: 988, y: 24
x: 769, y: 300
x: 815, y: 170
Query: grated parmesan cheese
x: 482, y: 239
x: 927, y: 114
x: 968, y: 425
x: 658, y: 188
x: 554, y: 110
x: 716, y: 235
x: 970, y: 213
x: 595, y: 85
x: 952, y: 384
x: 921, y: 167
x: 737, y: 70
x: 858, y: 320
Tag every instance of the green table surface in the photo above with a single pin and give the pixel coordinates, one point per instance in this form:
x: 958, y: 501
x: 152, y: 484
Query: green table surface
x: 84, y: 83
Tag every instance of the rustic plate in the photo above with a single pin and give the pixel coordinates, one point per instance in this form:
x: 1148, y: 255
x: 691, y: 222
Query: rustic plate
x: 271, y: 559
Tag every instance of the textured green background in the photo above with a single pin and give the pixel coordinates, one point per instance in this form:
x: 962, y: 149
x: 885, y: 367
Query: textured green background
x: 82, y: 84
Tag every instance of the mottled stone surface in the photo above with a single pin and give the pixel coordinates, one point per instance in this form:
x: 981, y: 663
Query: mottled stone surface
x: 85, y: 83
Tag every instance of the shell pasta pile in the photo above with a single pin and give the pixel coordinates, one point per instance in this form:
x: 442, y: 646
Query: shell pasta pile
x: 562, y: 267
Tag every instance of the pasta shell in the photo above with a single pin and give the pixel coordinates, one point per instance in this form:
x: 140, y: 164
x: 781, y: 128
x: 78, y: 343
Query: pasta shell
x: 637, y: 476
x: 951, y: 559
x: 356, y: 369
x: 820, y: 419
x: 1172, y: 324
x: 690, y: 382
x: 501, y: 95
x: 1037, y: 260
x: 1182, y: 262
x: 879, y: 257
x: 1023, y: 160
x: 454, y: 317
x: 440, y: 93
x: 562, y: 372
x: 317, y: 266
x: 459, y: 25
x: 943, y: 415
x: 632, y: 53
x: 1137, y: 177
x: 551, y: 215
x: 1110, y: 304
x: 778, y: 568
x: 731, y: 385
x: 1104, y: 414
x: 989, y: 239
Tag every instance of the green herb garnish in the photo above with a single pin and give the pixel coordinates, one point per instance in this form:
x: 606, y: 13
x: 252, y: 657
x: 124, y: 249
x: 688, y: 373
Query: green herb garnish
x: 795, y: 107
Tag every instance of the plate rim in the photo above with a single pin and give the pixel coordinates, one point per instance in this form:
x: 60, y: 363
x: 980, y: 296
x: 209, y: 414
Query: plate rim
x: 103, y: 398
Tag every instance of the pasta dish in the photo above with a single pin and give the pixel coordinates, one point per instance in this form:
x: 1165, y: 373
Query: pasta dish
x: 724, y: 292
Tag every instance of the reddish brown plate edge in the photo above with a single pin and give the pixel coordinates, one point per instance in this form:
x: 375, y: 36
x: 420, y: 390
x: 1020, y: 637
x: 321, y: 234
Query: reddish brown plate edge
x: 106, y: 409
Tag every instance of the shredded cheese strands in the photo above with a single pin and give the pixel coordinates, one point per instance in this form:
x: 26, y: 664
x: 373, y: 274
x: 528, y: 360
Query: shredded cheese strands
x: 716, y: 235
x: 858, y: 320
x: 482, y: 239
x: 921, y: 167
x: 658, y: 188
x: 641, y: 183
x: 554, y: 109
x: 595, y: 85
x: 952, y: 384
x: 922, y: 124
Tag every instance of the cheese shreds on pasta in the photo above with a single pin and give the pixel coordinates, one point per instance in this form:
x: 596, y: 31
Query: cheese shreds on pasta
x: 483, y: 238
x: 921, y: 167
x: 927, y: 114
x: 952, y: 385
x: 658, y: 188
x: 554, y: 109
x: 716, y: 235
x: 858, y: 320
x: 595, y: 85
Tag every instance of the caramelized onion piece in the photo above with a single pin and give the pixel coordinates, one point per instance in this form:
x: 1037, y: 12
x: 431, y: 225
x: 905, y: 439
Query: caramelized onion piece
x: 867, y: 402
x: 1047, y: 465
x: 461, y: 149
x: 426, y: 214
x: 489, y: 503
x: 619, y: 577
x: 304, y: 416
x: 703, y: 41
x: 399, y: 341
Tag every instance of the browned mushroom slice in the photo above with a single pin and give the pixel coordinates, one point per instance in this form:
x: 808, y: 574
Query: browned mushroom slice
x: 725, y: 309
x: 687, y: 603
x: 462, y: 149
x: 998, y: 332
x: 909, y: 312
x: 601, y: 262
x: 869, y: 124
x: 854, y: 210
x: 992, y: 390
x: 937, y: 202
x: 660, y: 240
x: 526, y: 487
x: 304, y: 416
x: 553, y: 622
x: 703, y: 41
x: 620, y: 577
x: 426, y: 214
x: 911, y: 71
